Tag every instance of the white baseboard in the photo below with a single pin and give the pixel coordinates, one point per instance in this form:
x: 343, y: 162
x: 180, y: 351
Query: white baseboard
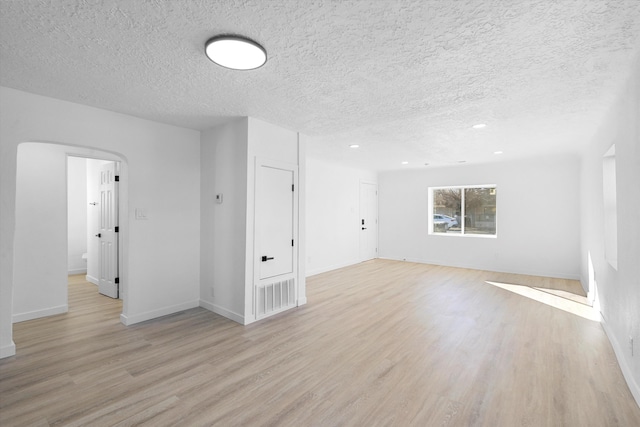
x: 36, y: 314
x: 222, y: 311
x: 8, y: 350
x: 484, y: 268
x: 154, y: 314
x: 585, y: 287
x: 321, y: 270
x: 77, y: 271
x: 92, y: 279
x: 624, y: 367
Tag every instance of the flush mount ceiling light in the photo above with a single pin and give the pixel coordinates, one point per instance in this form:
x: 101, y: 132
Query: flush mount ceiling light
x: 235, y: 52
x: 354, y: 146
x: 497, y: 152
x: 479, y: 126
x: 405, y: 163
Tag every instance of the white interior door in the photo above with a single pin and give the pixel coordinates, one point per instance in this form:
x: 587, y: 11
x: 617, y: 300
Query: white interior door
x: 274, y: 221
x: 368, y: 221
x: 108, y: 249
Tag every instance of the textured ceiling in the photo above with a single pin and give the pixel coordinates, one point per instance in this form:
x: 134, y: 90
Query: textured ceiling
x: 404, y: 79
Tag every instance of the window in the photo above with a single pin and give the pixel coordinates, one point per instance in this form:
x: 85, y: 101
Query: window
x: 464, y: 210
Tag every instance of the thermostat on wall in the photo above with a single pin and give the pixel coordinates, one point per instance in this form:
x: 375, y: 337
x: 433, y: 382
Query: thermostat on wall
x: 219, y: 198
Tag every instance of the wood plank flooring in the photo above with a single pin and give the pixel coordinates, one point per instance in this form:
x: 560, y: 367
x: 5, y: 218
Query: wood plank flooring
x: 382, y: 343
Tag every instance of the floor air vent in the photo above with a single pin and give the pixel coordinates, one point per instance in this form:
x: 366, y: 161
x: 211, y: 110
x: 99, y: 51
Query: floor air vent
x: 275, y: 297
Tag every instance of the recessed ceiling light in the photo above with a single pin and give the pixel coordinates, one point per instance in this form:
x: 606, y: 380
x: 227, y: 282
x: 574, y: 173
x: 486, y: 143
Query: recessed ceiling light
x: 479, y: 126
x: 426, y: 164
x: 235, y: 52
x: 405, y: 163
x: 462, y: 161
x: 497, y: 152
x: 354, y: 146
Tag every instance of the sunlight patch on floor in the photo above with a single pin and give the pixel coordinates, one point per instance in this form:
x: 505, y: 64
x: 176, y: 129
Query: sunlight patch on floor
x: 561, y: 300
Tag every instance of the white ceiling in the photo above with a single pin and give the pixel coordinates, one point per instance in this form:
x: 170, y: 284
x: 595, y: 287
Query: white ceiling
x: 404, y: 79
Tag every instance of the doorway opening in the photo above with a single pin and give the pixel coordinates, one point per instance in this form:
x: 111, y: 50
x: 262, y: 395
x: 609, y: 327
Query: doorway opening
x: 44, y: 255
x: 92, y: 222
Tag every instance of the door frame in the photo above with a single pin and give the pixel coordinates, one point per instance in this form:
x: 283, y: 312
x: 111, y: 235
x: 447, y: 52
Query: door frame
x: 123, y: 226
x: 360, y: 183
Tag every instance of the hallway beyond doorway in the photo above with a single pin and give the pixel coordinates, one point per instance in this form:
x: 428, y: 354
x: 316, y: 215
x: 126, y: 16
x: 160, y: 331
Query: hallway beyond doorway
x: 84, y: 299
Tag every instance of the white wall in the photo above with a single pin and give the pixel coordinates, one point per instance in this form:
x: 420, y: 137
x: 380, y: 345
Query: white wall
x: 161, y: 173
x: 223, y: 162
x: 40, y: 255
x: 618, y: 290
x: 268, y: 142
x: 332, y: 206
x: 76, y: 214
x: 228, y: 156
x: 537, y: 213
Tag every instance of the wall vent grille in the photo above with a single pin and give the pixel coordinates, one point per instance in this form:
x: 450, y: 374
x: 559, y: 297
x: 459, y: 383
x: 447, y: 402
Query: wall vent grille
x: 275, y: 297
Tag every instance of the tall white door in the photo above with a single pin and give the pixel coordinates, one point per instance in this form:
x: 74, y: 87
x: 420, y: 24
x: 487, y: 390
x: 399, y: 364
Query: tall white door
x: 274, y: 221
x: 108, y: 232
x: 368, y: 221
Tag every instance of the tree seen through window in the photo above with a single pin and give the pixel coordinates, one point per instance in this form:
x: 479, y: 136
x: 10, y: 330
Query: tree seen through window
x: 464, y: 210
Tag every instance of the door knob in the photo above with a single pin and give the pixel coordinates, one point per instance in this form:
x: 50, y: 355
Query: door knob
x: 364, y: 228
x: 99, y: 235
x: 266, y: 258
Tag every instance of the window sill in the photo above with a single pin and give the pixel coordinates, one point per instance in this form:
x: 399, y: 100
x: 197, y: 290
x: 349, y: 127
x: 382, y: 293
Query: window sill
x: 482, y: 236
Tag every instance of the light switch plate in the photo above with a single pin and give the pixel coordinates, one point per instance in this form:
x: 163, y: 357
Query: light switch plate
x: 141, y: 214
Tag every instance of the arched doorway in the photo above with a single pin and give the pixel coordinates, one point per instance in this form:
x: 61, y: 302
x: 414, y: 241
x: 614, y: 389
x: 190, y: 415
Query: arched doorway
x: 40, y: 264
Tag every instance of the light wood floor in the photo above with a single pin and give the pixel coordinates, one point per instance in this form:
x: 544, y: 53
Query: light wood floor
x: 382, y: 343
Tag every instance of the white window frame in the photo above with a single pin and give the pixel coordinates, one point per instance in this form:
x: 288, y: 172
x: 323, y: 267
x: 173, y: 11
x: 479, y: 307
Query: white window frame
x: 462, y: 213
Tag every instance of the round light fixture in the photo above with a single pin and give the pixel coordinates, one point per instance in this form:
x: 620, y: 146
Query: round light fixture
x: 235, y: 52
x: 405, y: 163
x: 354, y: 146
x: 479, y: 126
x: 497, y: 152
